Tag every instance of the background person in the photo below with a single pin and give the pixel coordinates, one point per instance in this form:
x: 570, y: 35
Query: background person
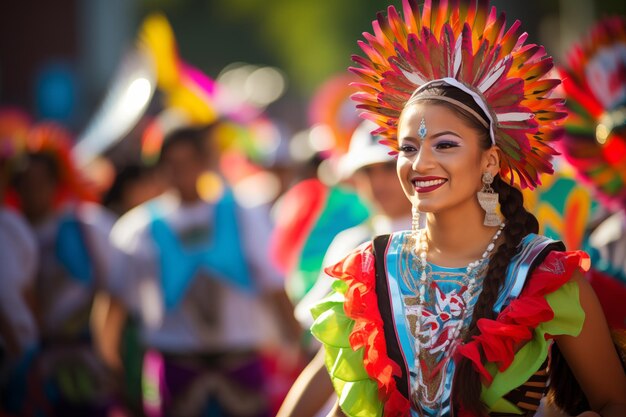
x: 371, y: 169
x: 201, y: 286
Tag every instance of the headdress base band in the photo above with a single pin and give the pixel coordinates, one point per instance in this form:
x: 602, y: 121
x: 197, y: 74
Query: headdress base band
x: 452, y: 101
x: 452, y: 82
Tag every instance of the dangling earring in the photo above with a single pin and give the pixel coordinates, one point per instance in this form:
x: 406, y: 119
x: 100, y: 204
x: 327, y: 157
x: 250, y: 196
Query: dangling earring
x: 488, y: 200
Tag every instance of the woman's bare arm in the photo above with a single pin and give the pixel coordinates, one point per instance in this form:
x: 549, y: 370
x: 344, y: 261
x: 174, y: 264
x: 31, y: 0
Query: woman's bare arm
x: 593, y: 359
x: 336, y: 411
x: 310, y: 392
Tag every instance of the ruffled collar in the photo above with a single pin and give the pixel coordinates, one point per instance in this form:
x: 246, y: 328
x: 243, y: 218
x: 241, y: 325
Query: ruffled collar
x: 498, y: 341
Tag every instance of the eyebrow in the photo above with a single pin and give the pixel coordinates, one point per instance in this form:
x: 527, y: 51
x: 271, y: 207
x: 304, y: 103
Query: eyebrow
x: 436, y: 135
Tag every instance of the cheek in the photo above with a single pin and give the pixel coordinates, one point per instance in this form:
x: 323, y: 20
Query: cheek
x: 361, y: 184
x: 383, y: 181
x: 403, y: 170
x: 466, y: 175
x: 403, y: 166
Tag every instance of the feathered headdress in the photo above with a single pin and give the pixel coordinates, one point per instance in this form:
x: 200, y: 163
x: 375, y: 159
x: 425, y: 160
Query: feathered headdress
x: 14, y: 125
x: 594, y: 79
x: 55, y: 140
x: 332, y: 107
x: 467, y: 45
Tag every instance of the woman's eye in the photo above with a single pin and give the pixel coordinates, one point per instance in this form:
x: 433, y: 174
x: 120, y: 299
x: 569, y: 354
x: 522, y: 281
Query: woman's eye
x: 446, y: 145
x: 407, y: 148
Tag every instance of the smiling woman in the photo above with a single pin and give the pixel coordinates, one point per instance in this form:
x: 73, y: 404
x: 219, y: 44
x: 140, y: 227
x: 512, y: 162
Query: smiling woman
x: 447, y: 161
x: 471, y: 313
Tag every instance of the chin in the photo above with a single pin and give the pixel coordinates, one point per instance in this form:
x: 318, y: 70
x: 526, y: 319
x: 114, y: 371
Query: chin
x: 423, y: 207
x: 435, y: 205
x: 460, y: 207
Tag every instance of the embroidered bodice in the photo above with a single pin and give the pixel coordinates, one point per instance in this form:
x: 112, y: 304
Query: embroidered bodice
x: 388, y: 356
x: 430, y: 330
x: 436, y: 328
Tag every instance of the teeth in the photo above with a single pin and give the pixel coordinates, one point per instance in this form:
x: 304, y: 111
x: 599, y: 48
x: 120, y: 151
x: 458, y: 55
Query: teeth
x: 422, y: 184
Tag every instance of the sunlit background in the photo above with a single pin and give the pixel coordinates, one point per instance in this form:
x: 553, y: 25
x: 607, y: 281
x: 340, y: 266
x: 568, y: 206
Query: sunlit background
x: 270, y: 77
x: 58, y: 58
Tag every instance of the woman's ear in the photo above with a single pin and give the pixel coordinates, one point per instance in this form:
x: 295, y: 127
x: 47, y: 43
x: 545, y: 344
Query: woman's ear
x: 491, y: 160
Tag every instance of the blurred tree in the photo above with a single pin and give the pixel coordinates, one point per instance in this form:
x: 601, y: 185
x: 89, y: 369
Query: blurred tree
x: 310, y: 40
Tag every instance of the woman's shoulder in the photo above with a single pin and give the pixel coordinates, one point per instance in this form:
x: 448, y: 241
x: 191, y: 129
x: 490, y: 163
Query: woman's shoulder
x: 556, y: 269
x: 539, y: 262
x: 361, y: 259
x: 539, y: 303
x: 546, y: 259
x: 357, y: 265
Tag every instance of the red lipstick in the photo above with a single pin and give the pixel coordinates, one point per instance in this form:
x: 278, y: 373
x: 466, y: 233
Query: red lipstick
x: 427, y: 184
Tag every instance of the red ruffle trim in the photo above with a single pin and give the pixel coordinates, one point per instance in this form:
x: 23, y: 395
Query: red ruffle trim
x: 499, y: 339
x: 358, y: 272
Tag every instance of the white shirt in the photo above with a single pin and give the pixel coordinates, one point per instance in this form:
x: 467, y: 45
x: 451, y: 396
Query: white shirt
x: 243, y: 319
x: 18, y: 263
x: 339, y: 248
x: 62, y: 296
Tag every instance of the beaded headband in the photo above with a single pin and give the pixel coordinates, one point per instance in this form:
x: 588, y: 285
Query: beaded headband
x: 594, y: 80
x: 465, y: 45
x: 417, y: 97
x: 456, y: 103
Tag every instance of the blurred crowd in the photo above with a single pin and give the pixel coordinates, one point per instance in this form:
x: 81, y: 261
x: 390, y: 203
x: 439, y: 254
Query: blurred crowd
x: 163, y: 261
x: 151, y: 263
x: 163, y: 294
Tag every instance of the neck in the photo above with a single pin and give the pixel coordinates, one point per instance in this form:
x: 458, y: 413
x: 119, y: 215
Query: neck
x: 455, y: 239
x: 37, y: 218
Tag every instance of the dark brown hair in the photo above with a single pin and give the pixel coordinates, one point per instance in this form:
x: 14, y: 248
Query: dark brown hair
x: 519, y: 223
x: 192, y: 136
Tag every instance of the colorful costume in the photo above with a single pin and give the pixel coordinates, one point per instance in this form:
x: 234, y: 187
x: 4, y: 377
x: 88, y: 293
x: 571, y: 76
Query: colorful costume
x: 75, y: 261
x: 371, y: 357
x: 309, y: 216
x: 594, y: 79
x: 196, y: 280
x: 393, y: 333
x: 311, y: 213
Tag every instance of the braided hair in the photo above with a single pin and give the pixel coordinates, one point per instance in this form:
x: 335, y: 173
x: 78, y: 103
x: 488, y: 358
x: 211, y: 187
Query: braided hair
x: 519, y: 223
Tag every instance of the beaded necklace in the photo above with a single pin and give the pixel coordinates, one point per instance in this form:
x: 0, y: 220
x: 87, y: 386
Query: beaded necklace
x: 433, y: 349
x: 470, y: 269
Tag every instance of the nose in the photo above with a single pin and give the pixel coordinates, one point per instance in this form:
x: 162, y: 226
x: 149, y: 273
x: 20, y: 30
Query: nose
x: 423, y: 159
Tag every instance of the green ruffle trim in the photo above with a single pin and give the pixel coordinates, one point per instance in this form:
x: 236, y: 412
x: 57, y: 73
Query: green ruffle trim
x: 568, y: 320
x: 357, y: 393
